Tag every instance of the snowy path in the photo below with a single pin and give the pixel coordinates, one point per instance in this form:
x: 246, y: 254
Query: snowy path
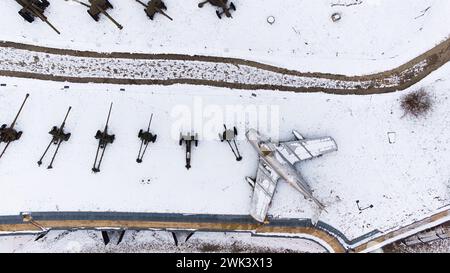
x: 19, y: 60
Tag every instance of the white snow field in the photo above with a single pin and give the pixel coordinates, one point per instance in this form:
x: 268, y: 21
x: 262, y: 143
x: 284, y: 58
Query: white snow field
x: 395, y: 163
x: 404, y: 181
x: 372, y: 36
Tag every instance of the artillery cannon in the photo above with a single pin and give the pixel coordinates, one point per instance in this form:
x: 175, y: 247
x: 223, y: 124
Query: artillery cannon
x: 146, y: 137
x: 230, y: 137
x: 58, y: 137
x: 188, y: 139
x: 98, y: 7
x: 103, y: 140
x: 10, y: 134
x: 35, y: 8
x: 153, y: 7
x: 221, y: 4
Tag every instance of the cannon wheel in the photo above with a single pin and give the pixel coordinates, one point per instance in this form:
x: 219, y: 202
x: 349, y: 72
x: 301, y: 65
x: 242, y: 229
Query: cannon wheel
x: 95, y: 17
x: 18, y: 135
x: 108, y: 4
x: 27, y: 16
x: 67, y: 136
x: 45, y: 4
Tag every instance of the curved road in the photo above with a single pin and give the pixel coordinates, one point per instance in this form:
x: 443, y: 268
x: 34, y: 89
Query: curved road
x: 28, y: 61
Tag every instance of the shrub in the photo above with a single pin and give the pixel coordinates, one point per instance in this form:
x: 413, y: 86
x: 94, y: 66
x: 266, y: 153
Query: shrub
x: 417, y: 103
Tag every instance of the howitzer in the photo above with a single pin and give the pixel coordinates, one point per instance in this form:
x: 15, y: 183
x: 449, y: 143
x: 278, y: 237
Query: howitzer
x: 103, y: 140
x: 58, y: 136
x: 101, y: 10
x: 9, y: 134
x: 188, y: 139
x: 221, y: 4
x: 156, y: 8
x: 110, y: 18
x: 230, y: 137
x: 29, y: 6
x: 145, y: 137
x: 20, y: 110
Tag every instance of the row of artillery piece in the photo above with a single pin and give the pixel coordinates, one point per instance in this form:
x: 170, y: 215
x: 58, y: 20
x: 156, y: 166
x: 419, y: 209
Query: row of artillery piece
x: 9, y: 134
x: 32, y: 9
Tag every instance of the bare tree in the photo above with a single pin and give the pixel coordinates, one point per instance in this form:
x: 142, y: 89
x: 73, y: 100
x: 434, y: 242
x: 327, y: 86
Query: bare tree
x: 417, y: 103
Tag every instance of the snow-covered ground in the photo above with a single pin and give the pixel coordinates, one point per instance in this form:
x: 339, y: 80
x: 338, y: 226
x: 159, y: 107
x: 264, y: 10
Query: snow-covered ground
x: 154, y: 241
x: 373, y: 35
x: 405, y: 181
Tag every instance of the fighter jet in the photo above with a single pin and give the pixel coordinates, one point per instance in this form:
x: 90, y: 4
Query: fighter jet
x: 276, y: 163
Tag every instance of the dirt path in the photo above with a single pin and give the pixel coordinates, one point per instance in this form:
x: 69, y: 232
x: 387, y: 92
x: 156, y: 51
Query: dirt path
x: 28, y: 61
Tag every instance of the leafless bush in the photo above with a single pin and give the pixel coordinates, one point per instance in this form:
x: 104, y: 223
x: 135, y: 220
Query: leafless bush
x: 417, y: 103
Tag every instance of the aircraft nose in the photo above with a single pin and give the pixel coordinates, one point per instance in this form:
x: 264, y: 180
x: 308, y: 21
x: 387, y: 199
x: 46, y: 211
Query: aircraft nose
x: 252, y: 134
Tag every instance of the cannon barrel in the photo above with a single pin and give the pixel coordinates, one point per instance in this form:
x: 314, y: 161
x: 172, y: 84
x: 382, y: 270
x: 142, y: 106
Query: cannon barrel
x: 107, y: 120
x: 102, y: 11
x: 109, y: 17
x: 20, y: 110
x: 157, y: 9
x: 163, y: 13
x: 142, y: 3
x: 41, y: 16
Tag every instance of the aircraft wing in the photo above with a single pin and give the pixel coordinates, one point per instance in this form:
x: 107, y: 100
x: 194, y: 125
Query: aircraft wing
x: 303, y: 149
x: 263, y: 190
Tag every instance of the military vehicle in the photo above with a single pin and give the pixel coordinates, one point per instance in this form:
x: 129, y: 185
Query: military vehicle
x: 9, y: 134
x: 230, y: 137
x: 35, y: 8
x: 277, y: 161
x: 222, y: 4
x: 146, y: 137
x: 153, y: 7
x: 188, y: 139
x: 103, y: 140
x: 58, y: 137
x: 98, y: 7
